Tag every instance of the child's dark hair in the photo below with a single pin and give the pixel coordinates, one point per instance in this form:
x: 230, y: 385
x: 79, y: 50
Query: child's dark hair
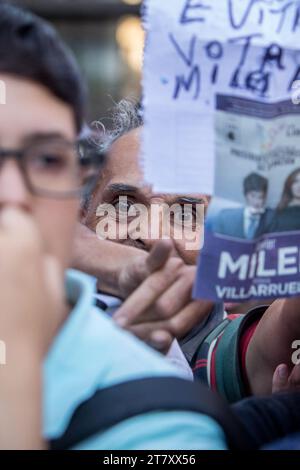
x: 31, y: 48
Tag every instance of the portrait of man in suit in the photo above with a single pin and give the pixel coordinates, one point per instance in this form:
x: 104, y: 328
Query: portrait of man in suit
x: 249, y: 221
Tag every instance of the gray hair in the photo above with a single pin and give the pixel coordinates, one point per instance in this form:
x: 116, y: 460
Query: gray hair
x: 126, y: 116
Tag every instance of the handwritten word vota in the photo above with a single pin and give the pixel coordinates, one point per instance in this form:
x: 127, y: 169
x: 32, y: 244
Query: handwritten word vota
x: 282, y: 15
x: 237, y: 64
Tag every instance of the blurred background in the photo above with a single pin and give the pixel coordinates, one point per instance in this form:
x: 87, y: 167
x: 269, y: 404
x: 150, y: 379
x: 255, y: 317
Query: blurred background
x: 107, y: 39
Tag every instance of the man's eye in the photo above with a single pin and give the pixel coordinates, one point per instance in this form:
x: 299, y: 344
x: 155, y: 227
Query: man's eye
x: 185, y: 216
x: 122, y: 206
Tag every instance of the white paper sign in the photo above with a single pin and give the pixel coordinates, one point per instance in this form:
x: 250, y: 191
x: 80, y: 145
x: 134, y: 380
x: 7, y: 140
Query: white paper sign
x: 196, y: 49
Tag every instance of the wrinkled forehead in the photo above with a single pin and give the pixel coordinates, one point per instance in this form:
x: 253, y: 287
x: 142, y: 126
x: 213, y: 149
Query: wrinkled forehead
x: 124, y: 159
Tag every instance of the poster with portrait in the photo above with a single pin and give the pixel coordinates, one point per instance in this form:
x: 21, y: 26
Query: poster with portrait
x: 252, y: 237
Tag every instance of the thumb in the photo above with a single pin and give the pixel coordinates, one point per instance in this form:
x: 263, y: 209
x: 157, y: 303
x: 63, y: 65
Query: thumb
x: 161, y: 340
x: 280, y: 378
x: 159, y: 255
x: 136, y: 273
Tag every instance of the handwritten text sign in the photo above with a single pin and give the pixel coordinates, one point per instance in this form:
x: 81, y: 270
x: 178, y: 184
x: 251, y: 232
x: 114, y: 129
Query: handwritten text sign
x: 196, y: 49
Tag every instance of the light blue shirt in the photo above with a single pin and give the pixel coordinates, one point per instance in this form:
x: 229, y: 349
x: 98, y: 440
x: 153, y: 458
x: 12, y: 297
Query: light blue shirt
x: 90, y: 353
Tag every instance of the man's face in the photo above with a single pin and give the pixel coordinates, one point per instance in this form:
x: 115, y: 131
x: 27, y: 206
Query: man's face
x: 31, y: 112
x: 256, y: 199
x: 123, y: 177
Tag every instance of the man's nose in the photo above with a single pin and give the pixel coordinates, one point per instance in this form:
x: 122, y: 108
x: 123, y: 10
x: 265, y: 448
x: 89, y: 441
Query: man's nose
x: 13, y: 190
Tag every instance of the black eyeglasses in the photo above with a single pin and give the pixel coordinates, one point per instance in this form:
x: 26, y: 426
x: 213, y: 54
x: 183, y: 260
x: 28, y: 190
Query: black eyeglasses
x: 57, y: 168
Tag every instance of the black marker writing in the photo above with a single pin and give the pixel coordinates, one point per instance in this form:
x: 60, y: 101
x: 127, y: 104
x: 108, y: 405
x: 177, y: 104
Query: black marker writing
x: 193, y: 12
x: 193, y: 78
x: 260, y: 10
x: 187, y: 83
x: 214, y: 51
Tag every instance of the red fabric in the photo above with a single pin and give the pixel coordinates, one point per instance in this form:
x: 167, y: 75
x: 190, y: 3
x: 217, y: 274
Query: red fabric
x: 243, y: 347
x: 200, y: 363
x: 233, y: 316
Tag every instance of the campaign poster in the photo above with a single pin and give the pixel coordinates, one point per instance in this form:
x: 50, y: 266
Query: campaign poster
x: 252, y: 234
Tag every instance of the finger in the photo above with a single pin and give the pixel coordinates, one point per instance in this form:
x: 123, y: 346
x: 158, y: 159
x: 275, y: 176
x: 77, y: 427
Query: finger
x: 154, y: 335
x: 142, y: 268
x: 280, y: 378
x: 159, y: 255
x: 195, y: 313
x: 173, y: 300
x: 147, y: 293
x: 161, y: 341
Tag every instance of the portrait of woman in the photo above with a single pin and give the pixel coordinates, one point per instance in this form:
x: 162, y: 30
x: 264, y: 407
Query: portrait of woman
x: 287, y: 214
